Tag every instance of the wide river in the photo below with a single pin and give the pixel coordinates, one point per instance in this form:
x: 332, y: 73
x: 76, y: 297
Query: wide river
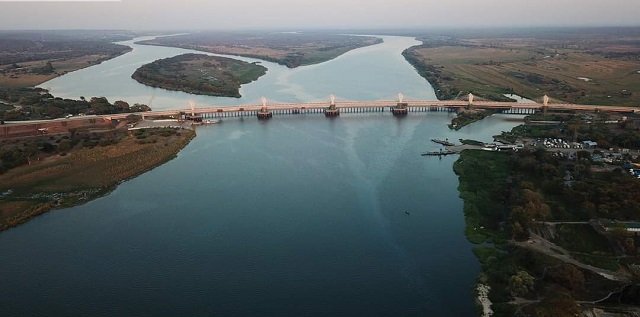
x: 297, y: 216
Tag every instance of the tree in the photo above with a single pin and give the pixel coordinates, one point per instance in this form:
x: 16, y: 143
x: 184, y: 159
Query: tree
x: 121, y: 106
x: 521, y: 284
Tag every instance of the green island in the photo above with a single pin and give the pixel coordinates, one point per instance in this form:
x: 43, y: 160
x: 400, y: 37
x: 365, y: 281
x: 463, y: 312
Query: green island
x: 67, y: 169
x: 291, y: 49
x: 553, y: 225
x: 199, y: 74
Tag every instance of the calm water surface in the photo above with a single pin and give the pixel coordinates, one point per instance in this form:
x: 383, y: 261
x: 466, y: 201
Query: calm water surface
x: 297, y: 216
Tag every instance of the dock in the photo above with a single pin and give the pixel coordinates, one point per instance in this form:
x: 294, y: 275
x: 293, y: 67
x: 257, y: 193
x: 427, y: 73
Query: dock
x: 439, y: 153
x: 443, y: 142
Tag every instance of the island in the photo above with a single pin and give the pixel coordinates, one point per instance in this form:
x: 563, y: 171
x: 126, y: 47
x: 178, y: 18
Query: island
x: 291, y: 49
x: 199, y: 74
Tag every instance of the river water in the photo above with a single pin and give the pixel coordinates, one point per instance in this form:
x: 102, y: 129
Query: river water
x: 297, y: 216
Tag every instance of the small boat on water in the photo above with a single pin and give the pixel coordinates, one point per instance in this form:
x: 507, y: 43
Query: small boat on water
x: 443, y: 142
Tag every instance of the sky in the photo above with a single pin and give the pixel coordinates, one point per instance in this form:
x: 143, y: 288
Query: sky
x: 316, y: 14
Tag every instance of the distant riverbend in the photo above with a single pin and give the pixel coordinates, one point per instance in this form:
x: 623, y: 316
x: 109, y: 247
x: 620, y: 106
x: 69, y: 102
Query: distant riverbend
x: 200, y: 74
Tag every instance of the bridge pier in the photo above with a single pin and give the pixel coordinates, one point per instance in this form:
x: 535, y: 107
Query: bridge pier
x: 401, y: 109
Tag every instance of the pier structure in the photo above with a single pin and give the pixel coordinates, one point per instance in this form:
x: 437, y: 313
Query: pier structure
x: 264, y: 112
x: 191, y: 116
x: 401, y: 108
x: 332, y: 111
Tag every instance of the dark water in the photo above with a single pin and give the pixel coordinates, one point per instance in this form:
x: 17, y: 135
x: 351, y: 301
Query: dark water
x: 298, y: 216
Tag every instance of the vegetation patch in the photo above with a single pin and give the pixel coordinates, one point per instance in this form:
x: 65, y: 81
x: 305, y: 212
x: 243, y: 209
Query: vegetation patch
x: 29, y: 58
x: 467, y: 117
x: 509, y: 196
x: 55, y: 172
x: 593, y: 68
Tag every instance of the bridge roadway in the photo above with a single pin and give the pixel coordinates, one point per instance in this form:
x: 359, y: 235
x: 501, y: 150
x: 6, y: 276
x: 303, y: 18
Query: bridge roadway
x: 356, y: 106
x: 29, y: 128
x: 380, y: 105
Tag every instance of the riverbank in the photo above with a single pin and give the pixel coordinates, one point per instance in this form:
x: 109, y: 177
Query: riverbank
x: 528, y: 225
x: 88, y: 169
x: 26, y: 60
x: 199, y: 74
x: 593, y: 68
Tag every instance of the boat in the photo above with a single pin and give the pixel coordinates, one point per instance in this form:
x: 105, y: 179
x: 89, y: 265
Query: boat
x: 443, y: 142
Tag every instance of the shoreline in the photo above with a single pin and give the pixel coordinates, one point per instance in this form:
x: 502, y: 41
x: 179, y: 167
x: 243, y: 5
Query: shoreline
x: 43, y: 202
x: 39, y: 83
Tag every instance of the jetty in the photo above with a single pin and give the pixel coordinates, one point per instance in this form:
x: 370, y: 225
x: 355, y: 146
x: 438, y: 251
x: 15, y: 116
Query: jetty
x: 443, y: 142
x: 439, y: 153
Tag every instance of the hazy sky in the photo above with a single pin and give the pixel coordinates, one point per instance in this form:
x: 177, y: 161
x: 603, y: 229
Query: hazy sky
x: 298, y: 14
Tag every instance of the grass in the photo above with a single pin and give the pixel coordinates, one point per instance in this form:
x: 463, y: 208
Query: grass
x: 83, y: 173
x: 493, y: 67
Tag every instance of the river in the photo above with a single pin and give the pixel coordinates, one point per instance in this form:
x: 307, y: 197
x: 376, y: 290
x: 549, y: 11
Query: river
x: 373, y: 72
x: 295, y: 216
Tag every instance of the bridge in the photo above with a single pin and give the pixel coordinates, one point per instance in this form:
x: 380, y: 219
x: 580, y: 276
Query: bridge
x: 331, y: 108
x: 397, y: 107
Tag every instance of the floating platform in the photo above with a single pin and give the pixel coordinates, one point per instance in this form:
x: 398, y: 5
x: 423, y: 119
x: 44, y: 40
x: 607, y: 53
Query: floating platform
x: 442, y: 142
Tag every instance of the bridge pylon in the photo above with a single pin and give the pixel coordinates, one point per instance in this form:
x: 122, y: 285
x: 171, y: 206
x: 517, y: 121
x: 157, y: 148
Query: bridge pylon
x: 545, y: 104
x: 332, y: 110
x: 401, y: 108
x: 192, y: 115
x: 470, y: 100
x: 264, y: 112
